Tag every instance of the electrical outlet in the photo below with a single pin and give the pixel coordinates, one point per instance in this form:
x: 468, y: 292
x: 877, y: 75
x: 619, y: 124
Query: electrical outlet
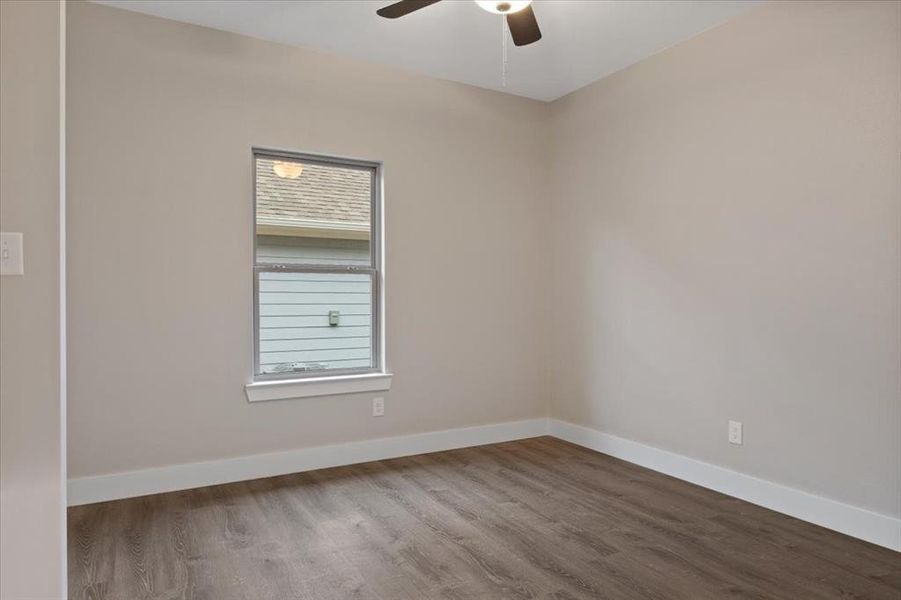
x: 735, y: 433
x: 378, y: 407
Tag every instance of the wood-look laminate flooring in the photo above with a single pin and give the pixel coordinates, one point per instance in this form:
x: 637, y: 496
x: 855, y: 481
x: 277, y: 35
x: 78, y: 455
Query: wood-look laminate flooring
x: 537, y: 518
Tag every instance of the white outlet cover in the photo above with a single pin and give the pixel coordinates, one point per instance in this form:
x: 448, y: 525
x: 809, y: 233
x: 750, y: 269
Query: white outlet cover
x: 735, y: 433
x: 378, y: 407
x: 12, y: 261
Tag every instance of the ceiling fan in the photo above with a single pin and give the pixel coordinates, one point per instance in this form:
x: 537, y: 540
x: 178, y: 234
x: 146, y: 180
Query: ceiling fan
x: 520, y: 18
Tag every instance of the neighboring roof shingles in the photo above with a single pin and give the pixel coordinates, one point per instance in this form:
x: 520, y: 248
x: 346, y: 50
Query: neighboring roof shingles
x: 324, y: 195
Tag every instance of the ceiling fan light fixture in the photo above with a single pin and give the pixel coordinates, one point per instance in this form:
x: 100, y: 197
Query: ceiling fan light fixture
x: 519, y: 18
x: 503, y: 7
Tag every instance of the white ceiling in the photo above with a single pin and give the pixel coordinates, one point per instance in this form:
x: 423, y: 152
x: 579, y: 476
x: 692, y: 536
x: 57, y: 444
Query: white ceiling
x: 584, y: 40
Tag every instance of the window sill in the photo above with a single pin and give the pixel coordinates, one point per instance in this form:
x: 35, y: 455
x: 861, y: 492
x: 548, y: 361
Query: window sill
x: 261, y: 391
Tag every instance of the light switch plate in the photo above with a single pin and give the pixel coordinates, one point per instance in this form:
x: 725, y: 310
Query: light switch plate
x: 11, y: 260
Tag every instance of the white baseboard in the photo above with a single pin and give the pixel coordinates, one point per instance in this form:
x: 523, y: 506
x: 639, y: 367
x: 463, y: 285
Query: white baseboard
x: 100, y: 488
x: 873, y: 527
x: 870, y: 526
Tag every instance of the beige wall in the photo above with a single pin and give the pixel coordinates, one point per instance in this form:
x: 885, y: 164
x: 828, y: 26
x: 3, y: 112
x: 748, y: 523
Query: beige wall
x: 726, y: 220
x: 162, y: 117
x: 31, y: 466
x: 711, y: 234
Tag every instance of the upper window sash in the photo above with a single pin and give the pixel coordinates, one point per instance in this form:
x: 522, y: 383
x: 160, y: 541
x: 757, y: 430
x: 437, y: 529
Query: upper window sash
x: 372, y: 168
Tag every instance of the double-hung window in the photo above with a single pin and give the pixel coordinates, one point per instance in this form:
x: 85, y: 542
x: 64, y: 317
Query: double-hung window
x: 317, y: 267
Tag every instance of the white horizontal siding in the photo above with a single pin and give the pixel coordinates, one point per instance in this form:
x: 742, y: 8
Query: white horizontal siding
x: 294, y: 307
x: 308, y: 310
x: 319, y: 355
x: 289, y: 250
x: 311, y: 321
x: 307, y: 294
x: 322, y: 285
x: 324, y: 332
x: 351, y: 342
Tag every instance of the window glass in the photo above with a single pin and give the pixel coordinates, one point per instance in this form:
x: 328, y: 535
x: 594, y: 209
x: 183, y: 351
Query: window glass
x: 311, y: 213
x: 314, y: 321
x: 315, y: 271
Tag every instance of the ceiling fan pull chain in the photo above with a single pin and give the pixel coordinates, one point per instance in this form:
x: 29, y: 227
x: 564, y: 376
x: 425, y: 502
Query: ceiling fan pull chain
x: 503, y: 51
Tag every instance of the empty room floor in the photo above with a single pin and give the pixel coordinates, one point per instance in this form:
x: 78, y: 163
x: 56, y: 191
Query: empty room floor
x: 538, y: 518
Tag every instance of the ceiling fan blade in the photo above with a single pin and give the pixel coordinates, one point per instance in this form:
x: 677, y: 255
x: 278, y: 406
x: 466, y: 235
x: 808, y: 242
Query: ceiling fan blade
x: 523, y: 27
x: 404, y: 7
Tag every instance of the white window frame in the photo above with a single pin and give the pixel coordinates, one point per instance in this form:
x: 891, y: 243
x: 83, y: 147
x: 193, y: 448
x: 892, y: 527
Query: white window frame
x: 274, y: 386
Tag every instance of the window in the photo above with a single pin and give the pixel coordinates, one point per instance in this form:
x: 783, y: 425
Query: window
x: 317, y: 266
